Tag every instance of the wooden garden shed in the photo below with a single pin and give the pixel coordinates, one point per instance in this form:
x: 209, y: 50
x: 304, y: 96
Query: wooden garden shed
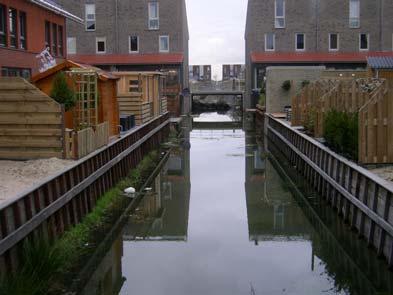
x: 381, y: 67
x: 141, y: 94
x: 107, y: 110
x: 31, y: 123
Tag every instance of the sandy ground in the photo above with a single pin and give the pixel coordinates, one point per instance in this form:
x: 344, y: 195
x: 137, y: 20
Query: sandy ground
x: 17, y: 176
x: 385, y: 172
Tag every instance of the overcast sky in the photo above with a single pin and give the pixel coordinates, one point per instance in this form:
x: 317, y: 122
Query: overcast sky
x: 216, y: 32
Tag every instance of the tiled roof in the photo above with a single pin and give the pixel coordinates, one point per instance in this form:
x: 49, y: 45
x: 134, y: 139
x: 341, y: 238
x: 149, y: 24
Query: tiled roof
x: 383, y: 62
x: 314, y: 57
x: 67, y: 64
x: 129, y: 59
x: 54, y: 7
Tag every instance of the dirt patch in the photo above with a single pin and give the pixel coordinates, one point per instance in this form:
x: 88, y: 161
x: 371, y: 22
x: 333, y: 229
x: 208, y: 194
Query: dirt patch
x: 18, y: 176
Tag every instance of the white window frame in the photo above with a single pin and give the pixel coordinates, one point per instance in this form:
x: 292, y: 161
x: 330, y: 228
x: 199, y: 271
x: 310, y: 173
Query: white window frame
x: 356, y: 18
x: 100, y: 39
x: 69, y: 40
x: 154, y: 18
x: 338, y: 42
x: 279, y: 17
x: 90, y: 20
x: 129, y: 43
x: 304, y: 35
x: 368, y: 42
x: 274, y: 42
x: 159, y: 43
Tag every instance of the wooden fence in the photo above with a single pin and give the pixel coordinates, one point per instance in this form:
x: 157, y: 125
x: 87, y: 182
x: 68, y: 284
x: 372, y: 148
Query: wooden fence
x: 31, y: 123
x: 376, y: 127
x: 63, y: 200
x: 350, y: 95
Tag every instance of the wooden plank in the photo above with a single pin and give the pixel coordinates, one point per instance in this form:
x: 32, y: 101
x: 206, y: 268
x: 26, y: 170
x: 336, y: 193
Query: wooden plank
x: 30, y: 118
x: 17, y: 142
x: 29, y: 107
x: 30, y: 132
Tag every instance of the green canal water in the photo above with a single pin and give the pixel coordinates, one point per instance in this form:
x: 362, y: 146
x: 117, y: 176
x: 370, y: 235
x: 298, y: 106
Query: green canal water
x: 223, y: 217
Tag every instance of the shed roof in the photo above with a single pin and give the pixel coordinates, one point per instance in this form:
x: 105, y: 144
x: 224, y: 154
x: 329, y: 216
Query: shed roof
x: 102, y: 75
x: 314, y: 57
x: 384, y: 62
x: 54, y: 7
x: 129, y: 59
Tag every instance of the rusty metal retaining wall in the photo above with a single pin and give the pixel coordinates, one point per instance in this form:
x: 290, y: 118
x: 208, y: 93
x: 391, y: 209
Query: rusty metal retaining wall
x: 363, y: 199
x: 63, y: 200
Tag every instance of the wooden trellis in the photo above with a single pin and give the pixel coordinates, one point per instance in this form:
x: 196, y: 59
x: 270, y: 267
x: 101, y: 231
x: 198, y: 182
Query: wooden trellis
x: 86, y: 108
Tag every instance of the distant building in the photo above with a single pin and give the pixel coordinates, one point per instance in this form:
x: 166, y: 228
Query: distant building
x: 200, y: 72
x: 233, y: 71
x: 133, y: 35
x: 26, y: 29
x: 338, y: 34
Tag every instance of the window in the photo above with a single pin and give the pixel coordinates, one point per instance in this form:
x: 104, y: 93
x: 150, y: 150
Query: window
x: 22, y: 30
x: 12, y: 20
x: 354, y: 13
x: 16, y: 72
x: 71, y: 45
x: 90, y: 16
x: 54, y: 39
x: 101, y: 45
x: 333, y: 42
x: 363, y: 41
x: 279, y: 7
x: 300, y: 42
x: 164, y: 43
x: 134, y: 44
x: 47, y: 34
x: 61, y: 45
x: 3, y: 26
x: 270, y: 42
x: 154, y: 19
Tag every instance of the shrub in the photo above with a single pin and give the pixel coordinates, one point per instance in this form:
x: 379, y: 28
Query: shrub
x: 310, y: 119
x: 341, y: 133
x: 305, y: 83
x: 61, y: 92
x: 286, y: 85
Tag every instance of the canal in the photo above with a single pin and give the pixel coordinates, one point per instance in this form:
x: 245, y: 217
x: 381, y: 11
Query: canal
x: 224, y: 216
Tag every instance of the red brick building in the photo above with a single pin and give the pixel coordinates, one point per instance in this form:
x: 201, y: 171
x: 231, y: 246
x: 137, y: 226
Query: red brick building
x: 27, y: 27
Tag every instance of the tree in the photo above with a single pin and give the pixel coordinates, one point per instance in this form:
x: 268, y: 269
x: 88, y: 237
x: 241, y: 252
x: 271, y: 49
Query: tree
x: 62, y: 93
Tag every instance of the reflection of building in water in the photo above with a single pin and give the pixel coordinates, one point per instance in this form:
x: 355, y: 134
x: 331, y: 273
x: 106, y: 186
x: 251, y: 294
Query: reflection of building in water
x: 271, y: 211
x: 163, y: 212
x: 107, y: 277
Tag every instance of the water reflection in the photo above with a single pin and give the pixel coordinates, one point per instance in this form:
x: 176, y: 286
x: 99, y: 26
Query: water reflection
x: 242, y: 228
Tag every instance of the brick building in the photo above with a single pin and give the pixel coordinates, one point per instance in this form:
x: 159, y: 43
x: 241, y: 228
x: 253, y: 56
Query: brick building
x: 26, y: 28
x: 233, y: 72
x: 200, y: 72
x: 336, y: 33
x: 131, y: 35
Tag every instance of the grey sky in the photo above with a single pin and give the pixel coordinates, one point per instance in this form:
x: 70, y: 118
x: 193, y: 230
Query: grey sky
x: 216, y: 31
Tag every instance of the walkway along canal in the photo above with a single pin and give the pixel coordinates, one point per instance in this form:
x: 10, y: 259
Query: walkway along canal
x: 223, y: 216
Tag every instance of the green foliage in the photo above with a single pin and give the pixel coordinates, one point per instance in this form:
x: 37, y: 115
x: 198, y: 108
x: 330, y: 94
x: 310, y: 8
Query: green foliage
x: 41, y: 262
x: 341, y: 133
x: 262, y: 99
x: 310, y: 120
x: 286, y: 85
x: 305, y: 83
x: 61, y: 92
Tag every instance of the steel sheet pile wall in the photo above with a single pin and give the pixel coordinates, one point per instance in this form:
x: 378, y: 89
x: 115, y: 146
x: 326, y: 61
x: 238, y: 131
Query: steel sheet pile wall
x: 63, y: 200
x: 363, y: 199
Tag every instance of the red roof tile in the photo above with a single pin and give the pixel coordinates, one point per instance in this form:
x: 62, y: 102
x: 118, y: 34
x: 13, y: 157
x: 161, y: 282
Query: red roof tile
x: 314, y: 57
x: 128, y: 59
